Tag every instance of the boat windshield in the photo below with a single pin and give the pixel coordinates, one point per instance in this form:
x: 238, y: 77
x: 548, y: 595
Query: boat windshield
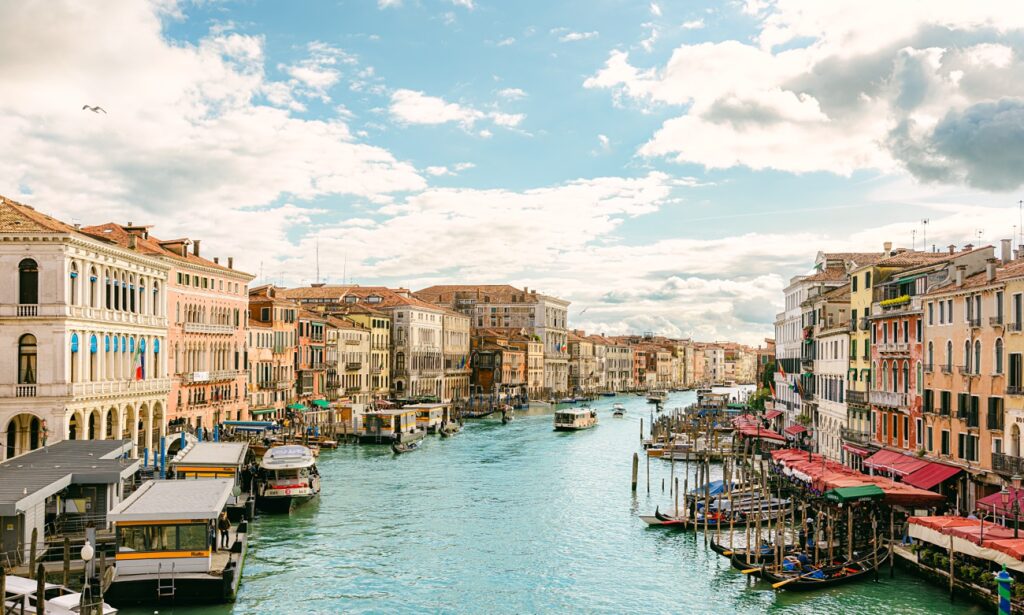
x: 183, y: 537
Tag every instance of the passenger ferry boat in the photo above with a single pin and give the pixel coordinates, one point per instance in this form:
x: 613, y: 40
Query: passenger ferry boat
x: 657, y: 397
x: 619, y: 409
x: 575, y: 419
x: 288, y: 478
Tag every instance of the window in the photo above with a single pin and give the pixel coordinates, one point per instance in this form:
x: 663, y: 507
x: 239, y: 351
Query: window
x: 917, y: 432
x: 942, y: 312
x: 945, y: 401
x: 977, y: 356
x: 928, y: 401
x: 867, y: 279
x: 1014, y: 375
x: 853, y: 283
x: 998, y: 363
x: 961, y: 445
x: 931, y: 442
x: 28, y: 282
x: 931, y: 314
x: 917, y: 332
x: 931, y: 356
x: 949, y: 355
x: 994, y: 418
x: 999, y: 306
x: 906, y: 429
x: 949, y: 310
x: 27, y: 359
x: 945, y: 442
x: 919, y: 379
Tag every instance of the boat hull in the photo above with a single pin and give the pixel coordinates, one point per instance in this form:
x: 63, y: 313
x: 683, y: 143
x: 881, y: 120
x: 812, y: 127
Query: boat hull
x: 574, y: 427
x: 283, y: 504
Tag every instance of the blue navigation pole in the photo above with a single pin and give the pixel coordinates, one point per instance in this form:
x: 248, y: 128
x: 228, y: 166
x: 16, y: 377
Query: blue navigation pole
x: 163, y: 457
x: 216, y: 433
x: 1004, y: 581
x: 199, y: 433
x: 183, y: 439
x: 145, y: 457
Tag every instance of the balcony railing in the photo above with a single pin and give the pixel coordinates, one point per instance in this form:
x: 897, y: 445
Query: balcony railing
x: 118, y: 387
x: 947, y: 369
x: 25, y: 390
x: 282, y: 384
x: 28, y: 310
x: 353, y: 365
x: 855, y: 435
x: 199, y: 377
x: 996, y: 321
x: 1007, y: 465
x: 966, y: 370
x: 929, y: 368
x: 974, y: 322
x: 857, y: 397
x: 1015, y: 390
x: 351, y: 390
x: 202, y: 327
x: 1013, y: 327
x: 891, y: 399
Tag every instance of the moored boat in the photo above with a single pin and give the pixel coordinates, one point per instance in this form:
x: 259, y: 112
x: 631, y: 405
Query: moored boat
x: 288, y: 477
x: 404, y: 447
x: 575, y: 419
x: 657, y: 397
x: 797, y: 575
x: 619, y: 409
x: 20, y: 596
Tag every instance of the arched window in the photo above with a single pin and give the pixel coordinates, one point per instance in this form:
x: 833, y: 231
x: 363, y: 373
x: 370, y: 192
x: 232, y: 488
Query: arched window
x: 27, y: 359
x: 906, y: 377
x: 156, y: 299
x: 920, y: 378
x: 882, y: 379
x: 74, y: 284
x: 977, y: 356
x: 999, y: 356
x: 895, y: 380
x: 93, y: 297
x: 949, y: 355
x: 967, y: 355
x: 28, y: 282
x: 156, y: 359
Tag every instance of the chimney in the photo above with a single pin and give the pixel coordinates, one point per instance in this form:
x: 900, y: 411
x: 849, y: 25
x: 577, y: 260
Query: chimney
x: 1005, y: 255
x: 231, y: 262
x: 990, y: 269
x: 968, y: 247
x: 216, y: 260
x: 133, y: 241
x: 887, y: 248
x: 952, y: 249
x: 960, y: 275
x: 195, y: 247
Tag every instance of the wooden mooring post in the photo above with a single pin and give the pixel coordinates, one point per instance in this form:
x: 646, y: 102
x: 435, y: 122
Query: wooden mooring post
x: 67, y: 561
x: 636, y: 468
x: 32, y: 553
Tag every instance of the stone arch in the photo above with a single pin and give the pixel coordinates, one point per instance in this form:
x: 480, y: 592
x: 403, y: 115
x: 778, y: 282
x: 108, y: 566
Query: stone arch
x: 94, y: 425
x: 23, y: 433
x: 75, y: 428
x: 142, y: 428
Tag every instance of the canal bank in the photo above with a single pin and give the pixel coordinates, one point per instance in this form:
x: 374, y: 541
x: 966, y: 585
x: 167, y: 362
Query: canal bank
x: 513, y: 519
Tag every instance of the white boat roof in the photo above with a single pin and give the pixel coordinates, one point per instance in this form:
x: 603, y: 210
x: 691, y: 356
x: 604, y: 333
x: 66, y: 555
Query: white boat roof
x: 167, y: 500
x: 574, y: 411
x: 213, y: 454
x: 287, y: 457
x: 21, y: 586
x: 424, y: 406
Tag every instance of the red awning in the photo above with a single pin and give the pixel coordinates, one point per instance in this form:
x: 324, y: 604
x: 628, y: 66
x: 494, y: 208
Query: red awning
x: 856, y: 450
x: 995, y: 504
x: 931, y: 475
x: 771, y: 414
x: 795, y: 430
x: 895, y: 462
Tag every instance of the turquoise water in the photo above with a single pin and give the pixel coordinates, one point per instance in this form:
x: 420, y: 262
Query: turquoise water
x: 514, y: 519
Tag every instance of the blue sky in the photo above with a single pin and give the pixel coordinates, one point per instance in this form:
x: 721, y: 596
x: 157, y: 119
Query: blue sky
x: 667, y: 166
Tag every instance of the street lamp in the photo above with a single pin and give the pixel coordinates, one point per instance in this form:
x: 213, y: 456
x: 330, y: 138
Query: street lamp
x: 86, y: 598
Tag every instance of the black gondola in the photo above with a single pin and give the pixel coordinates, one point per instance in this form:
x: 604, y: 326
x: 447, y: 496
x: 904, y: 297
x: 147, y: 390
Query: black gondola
x: 805, y: 579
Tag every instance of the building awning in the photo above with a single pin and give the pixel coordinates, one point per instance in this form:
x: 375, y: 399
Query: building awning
x: 771, y: 414
x: 895, y: 462
x: 262, y: 411
x: 856, y: 450
x: 861, y: 493
x: 931, y: 475
x: 296, y: 406
x: 795, y: 430
x: 323, y: 403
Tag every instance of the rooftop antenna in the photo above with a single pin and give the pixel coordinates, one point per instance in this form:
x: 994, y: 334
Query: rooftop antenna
x: 317, y: 260
x: 979, y: 232
x: 925, y: 235
x: 913, y: 240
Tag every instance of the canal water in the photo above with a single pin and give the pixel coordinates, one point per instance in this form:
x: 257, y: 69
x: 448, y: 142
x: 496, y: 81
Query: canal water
x: 514, y: 518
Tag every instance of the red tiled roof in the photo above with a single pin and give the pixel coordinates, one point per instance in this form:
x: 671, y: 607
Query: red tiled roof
x: 118, y: 234
x: 17, y: 217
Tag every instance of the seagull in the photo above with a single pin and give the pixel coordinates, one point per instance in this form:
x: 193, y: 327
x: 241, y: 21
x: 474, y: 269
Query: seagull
x: 584, y: 310
x: 95, y: 109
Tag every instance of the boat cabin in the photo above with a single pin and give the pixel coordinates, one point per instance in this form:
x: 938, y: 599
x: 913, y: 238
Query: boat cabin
x: 165, y: 544
x: 387, y: 424
x: 429, y: 417
x: 201, y: 460
x: 575, y: 418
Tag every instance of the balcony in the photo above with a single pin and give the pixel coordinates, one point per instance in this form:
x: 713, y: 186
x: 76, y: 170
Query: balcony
x: 1007, y: 465
x: 1015, y: 390
x: 120, y: 387
x: 855, y: 435
x: 281, y: 385
x: 857, y: 397
x: 947, y: 369
x: 352, y: 390
x: 28, y: 310
x: 352, y: 366
x: 996, y: 321
x: 116, y: 316
x: 200, y: 377
x: 202, y: 327
x: 966, y: 370
x: 25, y: 390
x: 890, y: 399
x: 1013, y: 327
x: 974, y: 322
x: 928, y: 368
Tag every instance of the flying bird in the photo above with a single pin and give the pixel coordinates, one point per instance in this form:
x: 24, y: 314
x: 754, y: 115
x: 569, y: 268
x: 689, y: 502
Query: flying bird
x: 95, y: 109
x: 584, y: 310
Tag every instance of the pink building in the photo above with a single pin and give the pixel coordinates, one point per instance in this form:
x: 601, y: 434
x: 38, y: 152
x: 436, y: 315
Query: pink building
x: 207, y: 308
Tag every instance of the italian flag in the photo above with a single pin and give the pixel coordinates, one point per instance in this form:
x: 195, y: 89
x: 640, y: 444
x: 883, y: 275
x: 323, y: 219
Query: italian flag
x: 140, y: 363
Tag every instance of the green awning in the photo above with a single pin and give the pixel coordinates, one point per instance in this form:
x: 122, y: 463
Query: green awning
x: 909, y: 278
x: 847, y: 495
x: 296, y: 406
x: 323, y: 403
x: 262, y: 411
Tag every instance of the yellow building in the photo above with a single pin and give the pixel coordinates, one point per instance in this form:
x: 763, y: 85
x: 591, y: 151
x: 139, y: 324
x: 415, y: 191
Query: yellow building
x: 379, y: 324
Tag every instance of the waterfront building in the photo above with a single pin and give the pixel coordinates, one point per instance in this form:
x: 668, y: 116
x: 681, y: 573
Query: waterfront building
x: 455, y: 348
x: 600, y: 346
x: 502, y: 305
x: 1009, y: 315
x: 533, y: 349
x: 714, y: 363
x: 86, y: 323
x: 353, y: 347
x: 207, y: 304
x: 272, y: 312
x: 311, y: 352
x: 620, y: 366
x: 831, y: 360
x: 582, y: 366
x: 499, y: 365
x: 260, y: 390
x: 963, y: 401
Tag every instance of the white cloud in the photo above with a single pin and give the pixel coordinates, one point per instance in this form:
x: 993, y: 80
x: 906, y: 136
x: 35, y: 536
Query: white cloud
x: 512, y: 93
x: 604, y: 141
x: 653, y: 34
x: 466, y: 4
x: 385, y: 4
x: 413, y: 107
x: 439, y: 171
x: 655, y: 9
x: 505, y: 42
x: 571, y: 37
x: 830, y: 87
x: 693, y: 24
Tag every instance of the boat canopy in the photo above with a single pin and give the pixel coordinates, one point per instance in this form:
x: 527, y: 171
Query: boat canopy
x: 169, y: 500
x: 263, y: 424
x: 288, y: 457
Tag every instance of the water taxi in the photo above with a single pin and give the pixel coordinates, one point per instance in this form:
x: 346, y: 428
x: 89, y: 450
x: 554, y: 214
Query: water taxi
x: 167, y: 547
x: 575, y: 419
x: 619, y: 410
x: 657, y: 397
x: 288, y: 478
x: 20, y: 597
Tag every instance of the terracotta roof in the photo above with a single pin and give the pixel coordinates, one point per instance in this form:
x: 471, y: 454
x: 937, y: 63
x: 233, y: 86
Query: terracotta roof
x: 497, y: 293
x: 259, y: 323
x: 829, y: 274
x: 355, y: 308
x: 913, y: 259
x: 17, y: 217
x: 115, y: 233
x: 390, y: 298
x: 1013, y: 269
x: 333, y: 291
x: 341, y: 323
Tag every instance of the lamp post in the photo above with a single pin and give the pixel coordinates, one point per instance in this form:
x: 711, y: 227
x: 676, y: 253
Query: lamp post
x: 1016, y: 478
x: 86, y: 599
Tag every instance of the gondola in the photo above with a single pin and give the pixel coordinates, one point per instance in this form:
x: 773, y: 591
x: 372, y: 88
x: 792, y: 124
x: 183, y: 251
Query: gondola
x: 660, y: 520
x: 807, y: 578
x: 404, y: 447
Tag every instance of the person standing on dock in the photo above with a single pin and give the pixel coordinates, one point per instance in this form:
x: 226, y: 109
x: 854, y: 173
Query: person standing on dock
x: 224, y: 524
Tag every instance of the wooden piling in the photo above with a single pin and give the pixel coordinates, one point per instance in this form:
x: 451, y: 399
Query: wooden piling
x: 648, y: 474
x: 849, y: 533
x: 67, y: 561
x: 636, y: 468
x: 952, y: 556
x: 677, y: 515
x: 32, y: 553
x: 3, y: 581
x: 40, y: 590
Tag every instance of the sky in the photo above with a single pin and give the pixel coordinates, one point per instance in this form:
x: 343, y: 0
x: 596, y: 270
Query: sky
x: 665, y: 166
